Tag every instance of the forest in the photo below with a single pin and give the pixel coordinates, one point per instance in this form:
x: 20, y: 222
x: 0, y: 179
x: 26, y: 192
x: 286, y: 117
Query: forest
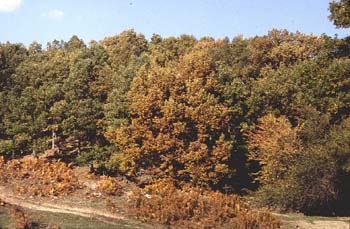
x: 266, y: 118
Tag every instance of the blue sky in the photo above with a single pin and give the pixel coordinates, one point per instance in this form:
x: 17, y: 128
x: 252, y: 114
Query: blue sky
x: 44, y: 20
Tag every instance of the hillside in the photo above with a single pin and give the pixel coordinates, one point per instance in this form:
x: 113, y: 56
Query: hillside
x: 179, y: 131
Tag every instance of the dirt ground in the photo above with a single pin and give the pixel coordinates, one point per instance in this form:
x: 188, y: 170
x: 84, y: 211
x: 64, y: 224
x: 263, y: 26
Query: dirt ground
x: 320, y: 224
x: 314, y: 222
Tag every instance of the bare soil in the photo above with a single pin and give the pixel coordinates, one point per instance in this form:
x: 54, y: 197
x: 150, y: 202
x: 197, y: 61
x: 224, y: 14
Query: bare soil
x: 314, y: 222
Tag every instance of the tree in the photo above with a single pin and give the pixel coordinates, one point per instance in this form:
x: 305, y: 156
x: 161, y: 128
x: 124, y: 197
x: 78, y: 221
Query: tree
x: 178, y: 124
x: 127, y: 52
x: 124, y: 46
x: 274, y: 144
x: 337, y: 143
x: 37, y: 86
x: 80, y: 110
x: 74, y: 43
x: 340, y: 13
x: 11, y: 55
x: 297, y: 170
x: 165, y: 50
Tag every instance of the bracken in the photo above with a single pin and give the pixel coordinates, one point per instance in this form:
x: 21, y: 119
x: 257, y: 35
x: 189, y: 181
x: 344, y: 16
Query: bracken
x: 109, y: 186
x: 193, y: 207
x: 39, y: 177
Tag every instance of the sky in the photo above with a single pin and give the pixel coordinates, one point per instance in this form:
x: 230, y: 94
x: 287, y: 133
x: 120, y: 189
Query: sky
x: 42, y: 21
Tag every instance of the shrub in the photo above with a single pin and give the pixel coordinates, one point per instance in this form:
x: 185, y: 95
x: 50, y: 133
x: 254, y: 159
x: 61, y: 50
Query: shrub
x: 39, y: 177
x: 109, y: 186
x: 194, y: 207
x: 6, y: 146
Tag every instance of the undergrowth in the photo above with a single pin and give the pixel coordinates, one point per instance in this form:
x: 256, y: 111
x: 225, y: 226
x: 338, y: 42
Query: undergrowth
x: 39, y: 177
x: 109, y: 186
x: 193, y: 207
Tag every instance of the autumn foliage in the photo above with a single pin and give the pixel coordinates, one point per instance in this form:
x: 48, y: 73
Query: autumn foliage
x: 274, y: 144
x: 178, y: 125
x: 39, y: 177
x: 298, y: 167
x: 109, y: 186
x: 193, y: 207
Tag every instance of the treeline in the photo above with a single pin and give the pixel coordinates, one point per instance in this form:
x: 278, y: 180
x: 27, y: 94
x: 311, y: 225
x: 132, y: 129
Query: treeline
x: 269, y: 113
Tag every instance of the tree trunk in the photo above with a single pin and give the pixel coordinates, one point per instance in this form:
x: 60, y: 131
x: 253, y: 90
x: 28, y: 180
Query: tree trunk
x: 53, y: 139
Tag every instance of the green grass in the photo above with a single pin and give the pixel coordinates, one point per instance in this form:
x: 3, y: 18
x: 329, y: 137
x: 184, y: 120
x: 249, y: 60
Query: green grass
x: 5, y: 221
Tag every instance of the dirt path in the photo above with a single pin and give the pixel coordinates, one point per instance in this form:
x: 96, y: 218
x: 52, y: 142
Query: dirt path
x: 305, y: 222
x: 320, y: 224
x: 103, y: 216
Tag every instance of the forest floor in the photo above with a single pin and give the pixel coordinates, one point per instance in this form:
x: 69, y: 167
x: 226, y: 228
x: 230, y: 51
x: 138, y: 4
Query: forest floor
x: 87, y: 208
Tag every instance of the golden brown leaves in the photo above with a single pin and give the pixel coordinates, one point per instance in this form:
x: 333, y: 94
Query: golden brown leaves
x: 274, y: 144
x: 39, y: 177
x: 192, y: 207
x: 175, y: 110
x: 109, y: 186
x: 281, y: 47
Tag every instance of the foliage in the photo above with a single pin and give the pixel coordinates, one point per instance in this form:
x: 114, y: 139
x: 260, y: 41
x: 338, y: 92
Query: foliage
x: 97, y: 158
x: 297, y: 170
x: 275, y: 146
x: 39, y: 177
x: 109, y: 186
x: 337, y: 144
x: 178, y: 123
x: 340, y: 13
x: 191, y: 207
x: 308, y: 187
